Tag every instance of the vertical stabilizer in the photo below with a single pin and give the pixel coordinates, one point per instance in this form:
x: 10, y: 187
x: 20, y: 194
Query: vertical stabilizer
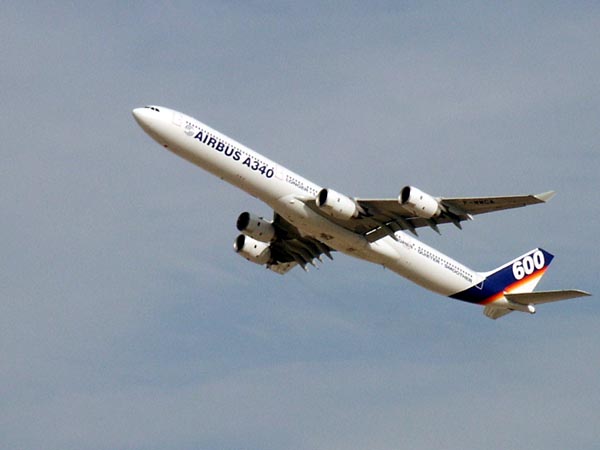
x: 522, y: 274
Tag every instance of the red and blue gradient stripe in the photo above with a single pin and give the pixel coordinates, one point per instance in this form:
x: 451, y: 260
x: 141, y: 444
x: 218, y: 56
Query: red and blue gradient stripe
x: 502, y: 280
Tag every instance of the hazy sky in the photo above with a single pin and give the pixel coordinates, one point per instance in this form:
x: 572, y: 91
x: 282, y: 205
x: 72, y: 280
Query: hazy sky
x: 127, y: 321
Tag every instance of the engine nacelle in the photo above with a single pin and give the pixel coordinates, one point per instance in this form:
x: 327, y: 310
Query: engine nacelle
x: 337, y: 205
x: 253, y: 250
x: 419, y: 203
x: 256, y: 227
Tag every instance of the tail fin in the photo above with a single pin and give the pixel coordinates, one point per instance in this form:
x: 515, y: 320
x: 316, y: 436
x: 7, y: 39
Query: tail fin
x: 522, y: 274
x: 509, y: 287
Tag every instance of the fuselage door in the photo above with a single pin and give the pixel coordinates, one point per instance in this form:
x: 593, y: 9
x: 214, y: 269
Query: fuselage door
x: 177, y: 118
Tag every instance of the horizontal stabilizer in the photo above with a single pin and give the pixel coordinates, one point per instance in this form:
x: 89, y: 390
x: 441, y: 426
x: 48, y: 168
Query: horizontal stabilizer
x: 524, y: 301
x: 538, y: 298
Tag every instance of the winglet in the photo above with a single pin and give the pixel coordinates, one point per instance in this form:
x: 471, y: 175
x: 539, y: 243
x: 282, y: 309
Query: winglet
x: 545, y: 196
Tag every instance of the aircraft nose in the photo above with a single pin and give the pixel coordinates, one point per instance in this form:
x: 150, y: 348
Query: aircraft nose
x: 140, y: 116
x: 146, y: 118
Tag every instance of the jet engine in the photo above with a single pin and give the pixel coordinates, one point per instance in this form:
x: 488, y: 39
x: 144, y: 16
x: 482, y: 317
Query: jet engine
x: 337, y: 205
x: 419, y: 203
x: 253, y: 250
x: 256, y: 227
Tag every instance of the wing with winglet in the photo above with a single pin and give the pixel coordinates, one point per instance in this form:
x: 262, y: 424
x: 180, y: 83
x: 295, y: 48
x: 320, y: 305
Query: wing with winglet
x: 377, y: 218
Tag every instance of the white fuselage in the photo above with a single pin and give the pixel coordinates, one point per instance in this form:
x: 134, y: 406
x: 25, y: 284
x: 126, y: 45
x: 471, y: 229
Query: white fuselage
x: 285, y: 192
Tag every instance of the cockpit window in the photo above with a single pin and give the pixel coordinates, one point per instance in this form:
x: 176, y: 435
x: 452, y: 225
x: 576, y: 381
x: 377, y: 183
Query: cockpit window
x: 153, y: 108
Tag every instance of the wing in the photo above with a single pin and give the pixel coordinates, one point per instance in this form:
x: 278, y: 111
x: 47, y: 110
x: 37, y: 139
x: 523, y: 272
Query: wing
x: 290, y: 248
x: 383, y: 217
x: 481, y: 205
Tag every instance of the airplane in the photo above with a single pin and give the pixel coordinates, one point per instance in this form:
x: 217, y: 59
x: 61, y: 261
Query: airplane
x: 310, y: 221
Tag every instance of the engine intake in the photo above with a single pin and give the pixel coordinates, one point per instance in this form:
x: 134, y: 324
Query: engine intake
x: 419, y: 203
x: 337, y: 205
x: 253, y: 250
x: 256, y: 227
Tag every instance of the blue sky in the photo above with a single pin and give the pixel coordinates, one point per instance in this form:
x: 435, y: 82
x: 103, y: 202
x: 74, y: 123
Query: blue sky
x: 127, y: 320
